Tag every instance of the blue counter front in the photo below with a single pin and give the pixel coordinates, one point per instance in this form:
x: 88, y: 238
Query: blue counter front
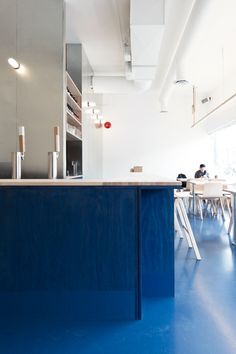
x: 88, y: 252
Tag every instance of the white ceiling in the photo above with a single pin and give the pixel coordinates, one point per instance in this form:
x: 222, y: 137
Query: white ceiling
x: 99, y: 25
x: 102, y: 25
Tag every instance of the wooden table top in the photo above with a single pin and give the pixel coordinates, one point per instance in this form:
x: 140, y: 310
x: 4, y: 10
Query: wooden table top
x: 127, y: 181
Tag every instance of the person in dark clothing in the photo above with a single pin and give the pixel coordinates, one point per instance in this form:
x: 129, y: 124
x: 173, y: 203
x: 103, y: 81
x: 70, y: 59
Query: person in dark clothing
x: 201, y: 172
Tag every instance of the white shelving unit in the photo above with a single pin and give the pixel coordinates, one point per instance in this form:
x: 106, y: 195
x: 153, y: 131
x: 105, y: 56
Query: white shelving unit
x: 74, y: 104
x: 74, y: 124
x: 72, y: 137
x: 72, y: 119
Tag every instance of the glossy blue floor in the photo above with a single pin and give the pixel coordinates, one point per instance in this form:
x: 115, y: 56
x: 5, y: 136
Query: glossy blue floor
x: 200, y: 319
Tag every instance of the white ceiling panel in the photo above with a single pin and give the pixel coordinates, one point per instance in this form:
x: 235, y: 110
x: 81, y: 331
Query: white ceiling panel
x: 100, y: 26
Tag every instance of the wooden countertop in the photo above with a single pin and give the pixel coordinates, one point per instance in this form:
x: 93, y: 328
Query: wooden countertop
x: 126, y: 181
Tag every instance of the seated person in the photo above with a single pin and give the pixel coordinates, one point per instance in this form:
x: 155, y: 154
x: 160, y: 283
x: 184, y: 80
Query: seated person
x: 201, y: 172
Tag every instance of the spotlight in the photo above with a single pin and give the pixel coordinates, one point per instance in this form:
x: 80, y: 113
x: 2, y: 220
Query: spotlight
x: 13, y: 63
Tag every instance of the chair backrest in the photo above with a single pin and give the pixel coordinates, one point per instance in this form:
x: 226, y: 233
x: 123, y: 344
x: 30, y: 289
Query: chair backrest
x: 181, y: 175
x: 188, y: 185
x: 213, y: 190
x: 198, y: 188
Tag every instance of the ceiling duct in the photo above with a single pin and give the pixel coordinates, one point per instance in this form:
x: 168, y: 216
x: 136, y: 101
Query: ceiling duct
x: 142, y: 51
x: 146, y: 32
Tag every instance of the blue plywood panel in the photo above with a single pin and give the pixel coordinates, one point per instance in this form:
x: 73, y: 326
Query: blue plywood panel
x: 87, y: 252
x: 75, y: 245
x: 157, y: 233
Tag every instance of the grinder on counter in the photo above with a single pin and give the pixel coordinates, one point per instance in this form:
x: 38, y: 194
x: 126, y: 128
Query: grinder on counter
x: 53, y: 155
x: 18, y: 156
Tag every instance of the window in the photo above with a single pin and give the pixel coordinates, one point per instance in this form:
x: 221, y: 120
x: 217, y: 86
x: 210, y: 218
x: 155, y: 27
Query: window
x: 225, y: 151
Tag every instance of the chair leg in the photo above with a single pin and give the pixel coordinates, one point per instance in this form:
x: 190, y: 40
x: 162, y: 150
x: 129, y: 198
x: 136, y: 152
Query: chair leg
x: 222, y: 209
x: 189, y: 228
x: 177, y: 225
x: 183, y: 222
x: 214, y: 207
x: 211, y: 207
x: 200, y: 207
x: 190, y: 204
x: 230, y: 224
x: 228, y: 206
x: 178, y: 228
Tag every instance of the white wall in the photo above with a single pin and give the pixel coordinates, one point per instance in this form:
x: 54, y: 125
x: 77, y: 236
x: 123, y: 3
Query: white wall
x: 92, y: 149
x: 165, y: 144
x: 92, y: 142
x: 92, y: 137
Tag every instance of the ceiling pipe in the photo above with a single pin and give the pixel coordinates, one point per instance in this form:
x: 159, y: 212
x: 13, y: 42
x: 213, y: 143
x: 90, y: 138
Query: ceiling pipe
x: 165, y: 99
x: 115, y: 84
x: 181, y: 75
x: 177, y: 16
x: 197, y: 10
x: 164, y: 108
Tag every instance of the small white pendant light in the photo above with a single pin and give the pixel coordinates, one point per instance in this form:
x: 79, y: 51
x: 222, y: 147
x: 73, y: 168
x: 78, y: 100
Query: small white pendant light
x: 13, y: 63
x: 88, y: 104
x: 92, y: 111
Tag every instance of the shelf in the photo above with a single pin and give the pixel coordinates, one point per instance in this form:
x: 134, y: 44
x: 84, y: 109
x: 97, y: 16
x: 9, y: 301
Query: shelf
x: 71, y: 137
x: 73, y: 103
x: 72, y: 86
x: 74, y: 115
x: 72, y: 119
x: 71, y: 177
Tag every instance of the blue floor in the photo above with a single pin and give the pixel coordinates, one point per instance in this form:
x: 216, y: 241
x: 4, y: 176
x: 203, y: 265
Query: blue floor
x: 201, y: 318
